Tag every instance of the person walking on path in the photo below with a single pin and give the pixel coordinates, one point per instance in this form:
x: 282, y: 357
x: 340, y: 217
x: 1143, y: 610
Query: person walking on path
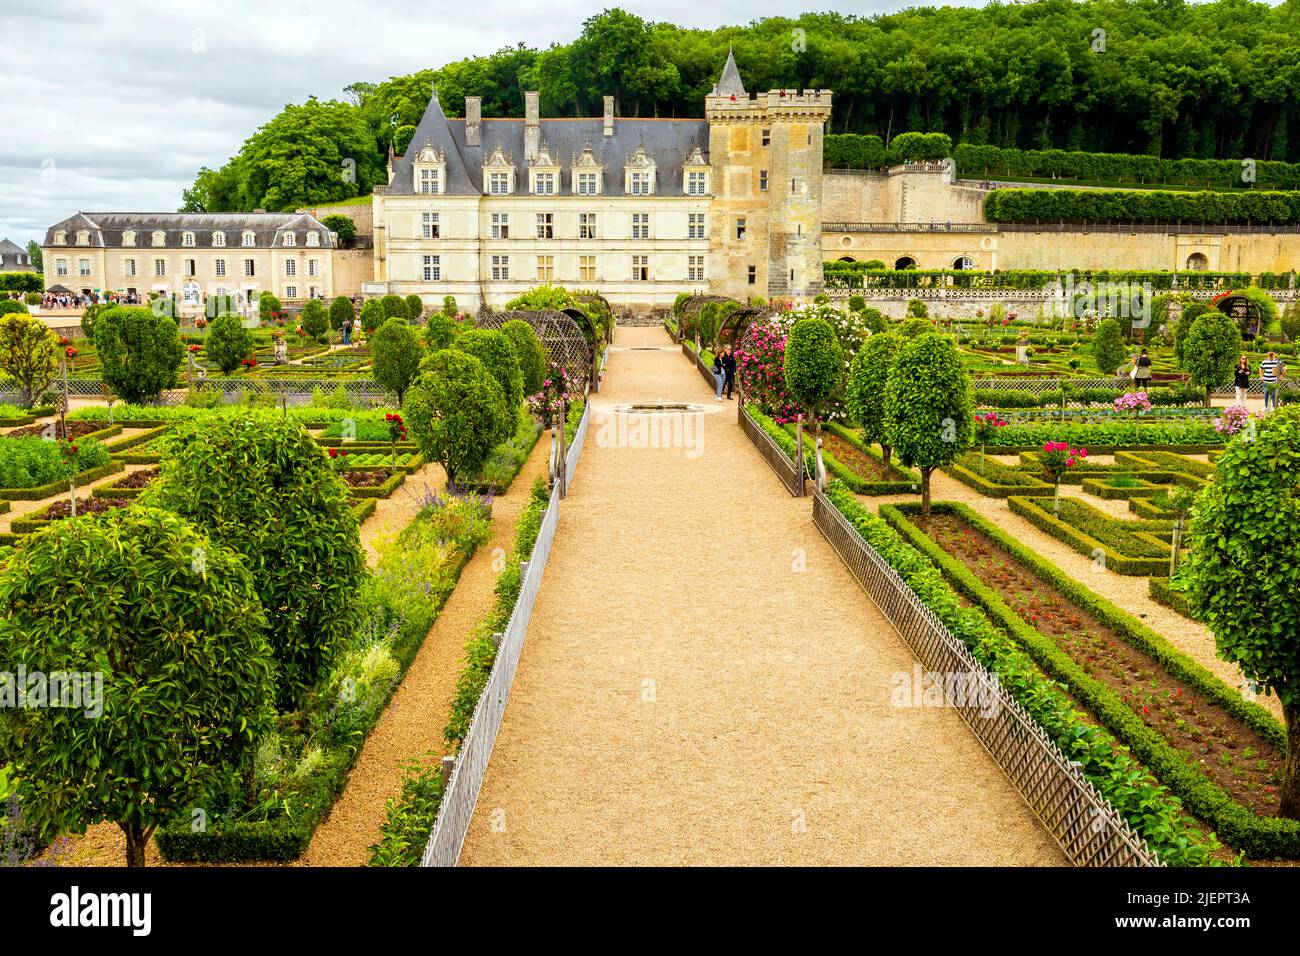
x: 1271, y: 373
x: 1241, y: 379
x: 719, y: 374
x: 347, y: 331
x: 729, y: 367
x: 1142, y: 371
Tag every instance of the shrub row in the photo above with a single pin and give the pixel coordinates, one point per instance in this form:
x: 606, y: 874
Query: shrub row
x: 1147, y: 805
x: 907, y: 482
x: 1243, y: 829
x: 1162, y: 593
x: 1094, y: 534
x: 1120, y: 433
x: 1099, y: 205
x: 866, y: 151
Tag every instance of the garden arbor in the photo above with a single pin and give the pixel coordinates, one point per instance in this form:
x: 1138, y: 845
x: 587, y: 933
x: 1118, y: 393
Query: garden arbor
x: 570, y: 336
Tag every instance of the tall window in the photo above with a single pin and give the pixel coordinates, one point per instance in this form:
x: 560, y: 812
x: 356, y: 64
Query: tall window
x: 545, y: 225
x: 291, y: 292
x: 290, y: 267
x: 762, y: 180
x: 587, y: 268
x: 128, y: 267
x: 249, y: 268
x: 160, y: 267
x: 432, y: 269
x: 695, y: 268
x: 501, y: 225
x: 191, y: 267
x: 500, y: 267
x: 429, y: 181
x: 639, y: 184
x: 313, y: 267
x: 499, y: 184
x: 61, y: 267
x: 640, y: 225
x: 219, y: 239
x: 430, y: 228
x: 753, y: 275
x: 586, y: 225
x: 83, y: 267
x: 313, y: 239
x: 545, y: 268
x: 767, y: 137
x: 544, y: 184
x: 187, y: 239
x: 640, y: 268
x: 220, y: 268
x: 695, y: 226
x: 695, y: 183
x: 290, y: 239
x: 587, y: 184
x: 741, y: 230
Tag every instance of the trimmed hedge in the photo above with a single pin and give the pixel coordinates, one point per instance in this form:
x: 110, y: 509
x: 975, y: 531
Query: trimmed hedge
x: 1084, y: 543
x: 997, y: 481
x: 1100, y: 205
x: 27, y: 419
x: 1148, y: 806
x: 363, y: 509
x: 58, y: 487
x: 1162, y: 593
x: 378, y: 491
x: 784, y: 439
x: 1243, y: 829
x: 908, y: 482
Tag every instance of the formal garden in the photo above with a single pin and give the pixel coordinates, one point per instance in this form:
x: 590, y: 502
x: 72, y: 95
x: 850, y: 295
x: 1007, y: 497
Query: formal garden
x: 1018, y: 517
x: 242, y: 577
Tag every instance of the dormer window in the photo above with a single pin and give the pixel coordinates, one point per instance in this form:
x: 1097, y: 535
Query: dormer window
x: 430, y: 170
x: 249, y: 239
x: 83, y: 238
x: 545, y: 173
x: 544, y: 184
x: 695, y: 173
x: 219, y: 239
x: 128, y: 238
x: 500, y: 168
x: 289, y: 239
x: 587, y: 173
x: 187, y: 239
x: 60, y: 238
x: 159, y: 238
x: 639, y: 174
x: 697, y: 183
x: 313, y: 239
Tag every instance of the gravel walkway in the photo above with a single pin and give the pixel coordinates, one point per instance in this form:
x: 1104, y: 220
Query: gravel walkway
x: 704, y: 683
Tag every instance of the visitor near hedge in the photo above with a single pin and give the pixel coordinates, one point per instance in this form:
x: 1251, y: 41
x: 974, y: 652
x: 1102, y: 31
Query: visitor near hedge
x: 1142, y: 371
x: 1241, y: 379
x: 719, y: 374
x: 729, y: 366
x: 1271, y: 372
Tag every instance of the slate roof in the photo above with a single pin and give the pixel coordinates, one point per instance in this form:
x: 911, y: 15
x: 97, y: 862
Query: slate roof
x: 667, y: 141
x: 106, y: 228
x: 15, y: 257
x: 729, y: 83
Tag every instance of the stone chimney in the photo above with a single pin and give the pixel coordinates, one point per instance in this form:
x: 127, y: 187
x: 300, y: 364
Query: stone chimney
x: 609, y: 116
x: 473, y: 119
x: 532, y: 126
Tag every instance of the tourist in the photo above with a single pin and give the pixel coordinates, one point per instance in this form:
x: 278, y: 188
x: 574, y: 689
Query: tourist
x: 729, y: 367
x: 1271, y: 373
x: 1142, y: 371
x: 1241, y: 380
x: 719, y: 374
x: 347, y: 331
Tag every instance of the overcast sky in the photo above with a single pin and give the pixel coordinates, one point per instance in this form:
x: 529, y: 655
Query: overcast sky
x: 115, y: 105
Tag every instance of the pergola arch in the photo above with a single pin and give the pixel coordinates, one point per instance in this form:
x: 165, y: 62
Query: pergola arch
x: 738, y: 322
x: 569, y: 335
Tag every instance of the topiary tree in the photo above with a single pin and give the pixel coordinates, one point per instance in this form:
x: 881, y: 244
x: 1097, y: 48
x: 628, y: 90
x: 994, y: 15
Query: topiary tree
x: 261, y: 485
x: 494, y: 350
x: 915, y: 327
x: 268, y: 304
x: 372, y: 315
x: 28, y: 355
x: 88, y: 317
x: 874, y: 320
x: 396, y: 355
x: 228, y: 343
x: 313, y: 319
x: 12, y: 307
x: 414, y: 307
x: 868, y: 378
x: 394, y: 307
x: 929, y: 404
x: 857, y: 303
x: 449, y: 306
x: 140, y: 352
x: 171, y: 622
x: 457, y: 412
x: 342, y: 225
x: 440, y: 331
x: 1108, y: 349
x: 814, y: 365
x: 917, y: 309
x: 341, y: 311
x: 529, y: 352
x: 1242, y: 575
x: 1184, y: 325
x: 1211, y: 350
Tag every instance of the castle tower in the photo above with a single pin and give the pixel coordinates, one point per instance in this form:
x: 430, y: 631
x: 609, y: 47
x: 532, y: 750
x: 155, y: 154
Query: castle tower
x: 766, y: 152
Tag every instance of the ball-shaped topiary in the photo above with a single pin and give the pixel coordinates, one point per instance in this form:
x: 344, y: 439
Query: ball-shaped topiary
x: 372, y: 315
x: 440, y: 332
x: 12, y: 307
x: 494, y: 350
x: 814, y: 364
x: 915, y: 327
x: 457, y: 412
x: 1211, y: 350
x: 1108, y: 349
x: 396, y: 354
x: 172, y: 624
x: 530, y: 353
x: 874, y: 320
x: 857, y: 303
x: 88, y: 317
x: 414, y: 307
x: 140, y: 352
x: 261, y: 485
x: 268, y: 304
x: 313, y: 319
x: 394, y: 306
x: 341, y: 311
x: 228, y: 343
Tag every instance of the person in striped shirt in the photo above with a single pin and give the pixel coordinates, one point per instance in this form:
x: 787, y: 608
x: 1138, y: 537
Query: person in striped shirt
x: 1271, y: 373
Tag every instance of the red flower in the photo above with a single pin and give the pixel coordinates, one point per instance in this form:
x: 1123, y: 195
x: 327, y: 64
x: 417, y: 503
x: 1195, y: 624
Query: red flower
x: 334, y: 452
x: 71, y: 352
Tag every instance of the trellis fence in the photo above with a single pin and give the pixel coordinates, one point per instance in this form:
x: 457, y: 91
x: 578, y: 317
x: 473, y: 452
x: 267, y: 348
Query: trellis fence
x: 1086, y: 825
x: 790, y: 473
x: 469, y: 767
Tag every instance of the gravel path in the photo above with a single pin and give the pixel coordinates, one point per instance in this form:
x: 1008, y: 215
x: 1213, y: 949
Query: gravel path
x: 704, y: 683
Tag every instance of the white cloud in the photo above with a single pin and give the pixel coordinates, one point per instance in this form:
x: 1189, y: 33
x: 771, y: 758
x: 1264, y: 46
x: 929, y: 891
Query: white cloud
x: 115, y: 106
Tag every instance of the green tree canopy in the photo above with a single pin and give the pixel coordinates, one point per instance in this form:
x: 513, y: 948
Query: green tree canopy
x: 228, y: 343
x: 494, y: 350
x: 1211, y: 350
x: 529, y: 352
x: 1108, y: 348
x: 396, y: 354
x: 814, y: 365
x: 868, y: 381
x: 140, y: 352
x: 457, y: 412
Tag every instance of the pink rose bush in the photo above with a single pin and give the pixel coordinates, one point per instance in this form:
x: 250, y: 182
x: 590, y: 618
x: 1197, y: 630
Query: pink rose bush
x: 760, y: 370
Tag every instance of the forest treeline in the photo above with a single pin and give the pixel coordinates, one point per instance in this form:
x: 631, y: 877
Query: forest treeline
x: 1161, y: 78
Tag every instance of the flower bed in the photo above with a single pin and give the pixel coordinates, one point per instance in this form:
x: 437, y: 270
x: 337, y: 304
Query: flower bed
x: 995, y: 479
x: 32, y: 468
x: 12, y: 415
x: 303, y: 766
x: 371, y: 482
x: 783, y: 438
x: 857, y: 464
x: 78, y: 431
x: 1190, y: 435
x: 1126, y: 485
x: 1127, y: 547
x: 129, y: 487
x: 1222, y: 754
x: 1146, y: 804
x: 62, y: 509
